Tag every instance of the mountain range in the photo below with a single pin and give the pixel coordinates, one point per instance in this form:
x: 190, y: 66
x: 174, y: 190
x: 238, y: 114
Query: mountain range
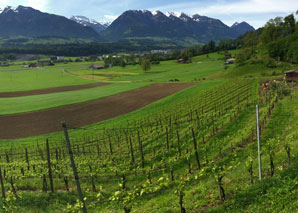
x: 132, y: 24
x: 144, y: 23
x: 26, y: 21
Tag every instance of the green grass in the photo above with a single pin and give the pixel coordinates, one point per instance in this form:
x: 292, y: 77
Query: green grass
x: 40, y: 102
x: 18, y: 78
x: 253, y: 71
x: 36, y: 78
x: 201, y: 67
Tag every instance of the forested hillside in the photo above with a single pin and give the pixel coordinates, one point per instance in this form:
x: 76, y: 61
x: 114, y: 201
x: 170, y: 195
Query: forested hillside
x: 277, y: 41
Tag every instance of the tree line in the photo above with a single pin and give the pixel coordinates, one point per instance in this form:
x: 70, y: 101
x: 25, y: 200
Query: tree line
x: 277, y: 41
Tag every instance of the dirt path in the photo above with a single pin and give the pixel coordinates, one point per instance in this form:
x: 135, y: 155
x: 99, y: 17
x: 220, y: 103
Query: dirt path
x: 82, y: 114
x: 50, y: 90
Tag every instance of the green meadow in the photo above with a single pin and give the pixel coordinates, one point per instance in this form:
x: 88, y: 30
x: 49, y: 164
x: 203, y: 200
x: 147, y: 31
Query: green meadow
x: 200, y: 68
x: 17, y: 78
x: 41, y: 102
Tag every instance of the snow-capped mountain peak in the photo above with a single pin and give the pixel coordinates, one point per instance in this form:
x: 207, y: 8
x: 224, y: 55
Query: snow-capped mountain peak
x: 140, y: 11
x: 196, y: 19
x: 185, y: 17
x: 87, y: 22
x: 155, y: 12
x: 82, y: 19
x: 9, y: 8
x: 105, y: 23
x: 235, y: 24
x: 14, y: 9
x: 175, y: 14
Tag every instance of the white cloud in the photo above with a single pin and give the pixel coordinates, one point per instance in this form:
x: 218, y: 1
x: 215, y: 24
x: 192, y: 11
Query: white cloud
x: 37, y: 4
x: 4, y: 3
x: 240, y: 7
x: 256, y: 12
x: 110, y: 17
x: 252, y: 7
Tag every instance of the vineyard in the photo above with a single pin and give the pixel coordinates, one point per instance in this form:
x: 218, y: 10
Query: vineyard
x: 198, y: 141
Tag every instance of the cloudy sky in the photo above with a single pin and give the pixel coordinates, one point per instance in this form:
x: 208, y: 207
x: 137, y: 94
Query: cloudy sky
x: 255, y: 12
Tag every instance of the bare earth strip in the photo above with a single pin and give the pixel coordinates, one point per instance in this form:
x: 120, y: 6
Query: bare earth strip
x: 82, y: 114
x: 50, y: 90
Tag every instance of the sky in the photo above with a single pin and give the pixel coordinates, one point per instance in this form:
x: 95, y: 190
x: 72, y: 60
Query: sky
x: 255, y: 12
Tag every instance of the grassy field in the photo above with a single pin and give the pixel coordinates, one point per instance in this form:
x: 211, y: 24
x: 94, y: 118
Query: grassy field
x: 201, y: 67
x: 22, y: 79
x: 40, y: 102
x: 252, y: 70
x: 18, y: 78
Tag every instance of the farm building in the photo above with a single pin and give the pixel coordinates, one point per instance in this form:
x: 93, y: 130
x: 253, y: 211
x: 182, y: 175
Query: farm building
x: 45, y: 63
x: 230, y: 61
x: 57, y: 58
x: 291, y: 75
x: 96, y: 67
x: 181, y: 60
x: 32, y: 65
x: 228, y: 55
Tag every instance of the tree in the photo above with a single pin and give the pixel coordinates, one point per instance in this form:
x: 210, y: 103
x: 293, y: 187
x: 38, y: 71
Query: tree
x: 269, y: 34
x: 176, y: 54
x: 122, y: 63
x: 145, y: 64
x: 243, y: 56
x: 251, y: 39
x: 290, y: 23
x: 211, y: 46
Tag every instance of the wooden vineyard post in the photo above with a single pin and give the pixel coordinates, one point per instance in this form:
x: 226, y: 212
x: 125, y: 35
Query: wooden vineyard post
x: 131, y: 151
x: 141, y: 150
x: 75, y: 173
x: 49, y: 165
x: 98, y: 150
x: 167, y: 138
x: 196, y: 148
x: 178, y: 143
x: 182, y: 209
x: 27, y: 159
x: 110, y: 145
x: 259, y: 146
x: 2, y: 185
x: 57, y: 155
x: 7, y: 157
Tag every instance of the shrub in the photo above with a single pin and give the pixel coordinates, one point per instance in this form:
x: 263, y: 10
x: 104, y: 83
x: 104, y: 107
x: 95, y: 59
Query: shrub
x: 269, y: 62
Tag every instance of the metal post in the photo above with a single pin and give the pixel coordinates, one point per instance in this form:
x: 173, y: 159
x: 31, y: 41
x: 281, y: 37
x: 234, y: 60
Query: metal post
x: 75, y: 173
x: 259, y: 146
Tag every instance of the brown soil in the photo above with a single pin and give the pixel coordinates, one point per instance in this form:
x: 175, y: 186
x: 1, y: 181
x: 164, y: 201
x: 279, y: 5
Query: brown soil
x: 50, y: 90
x: 82, y: 114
